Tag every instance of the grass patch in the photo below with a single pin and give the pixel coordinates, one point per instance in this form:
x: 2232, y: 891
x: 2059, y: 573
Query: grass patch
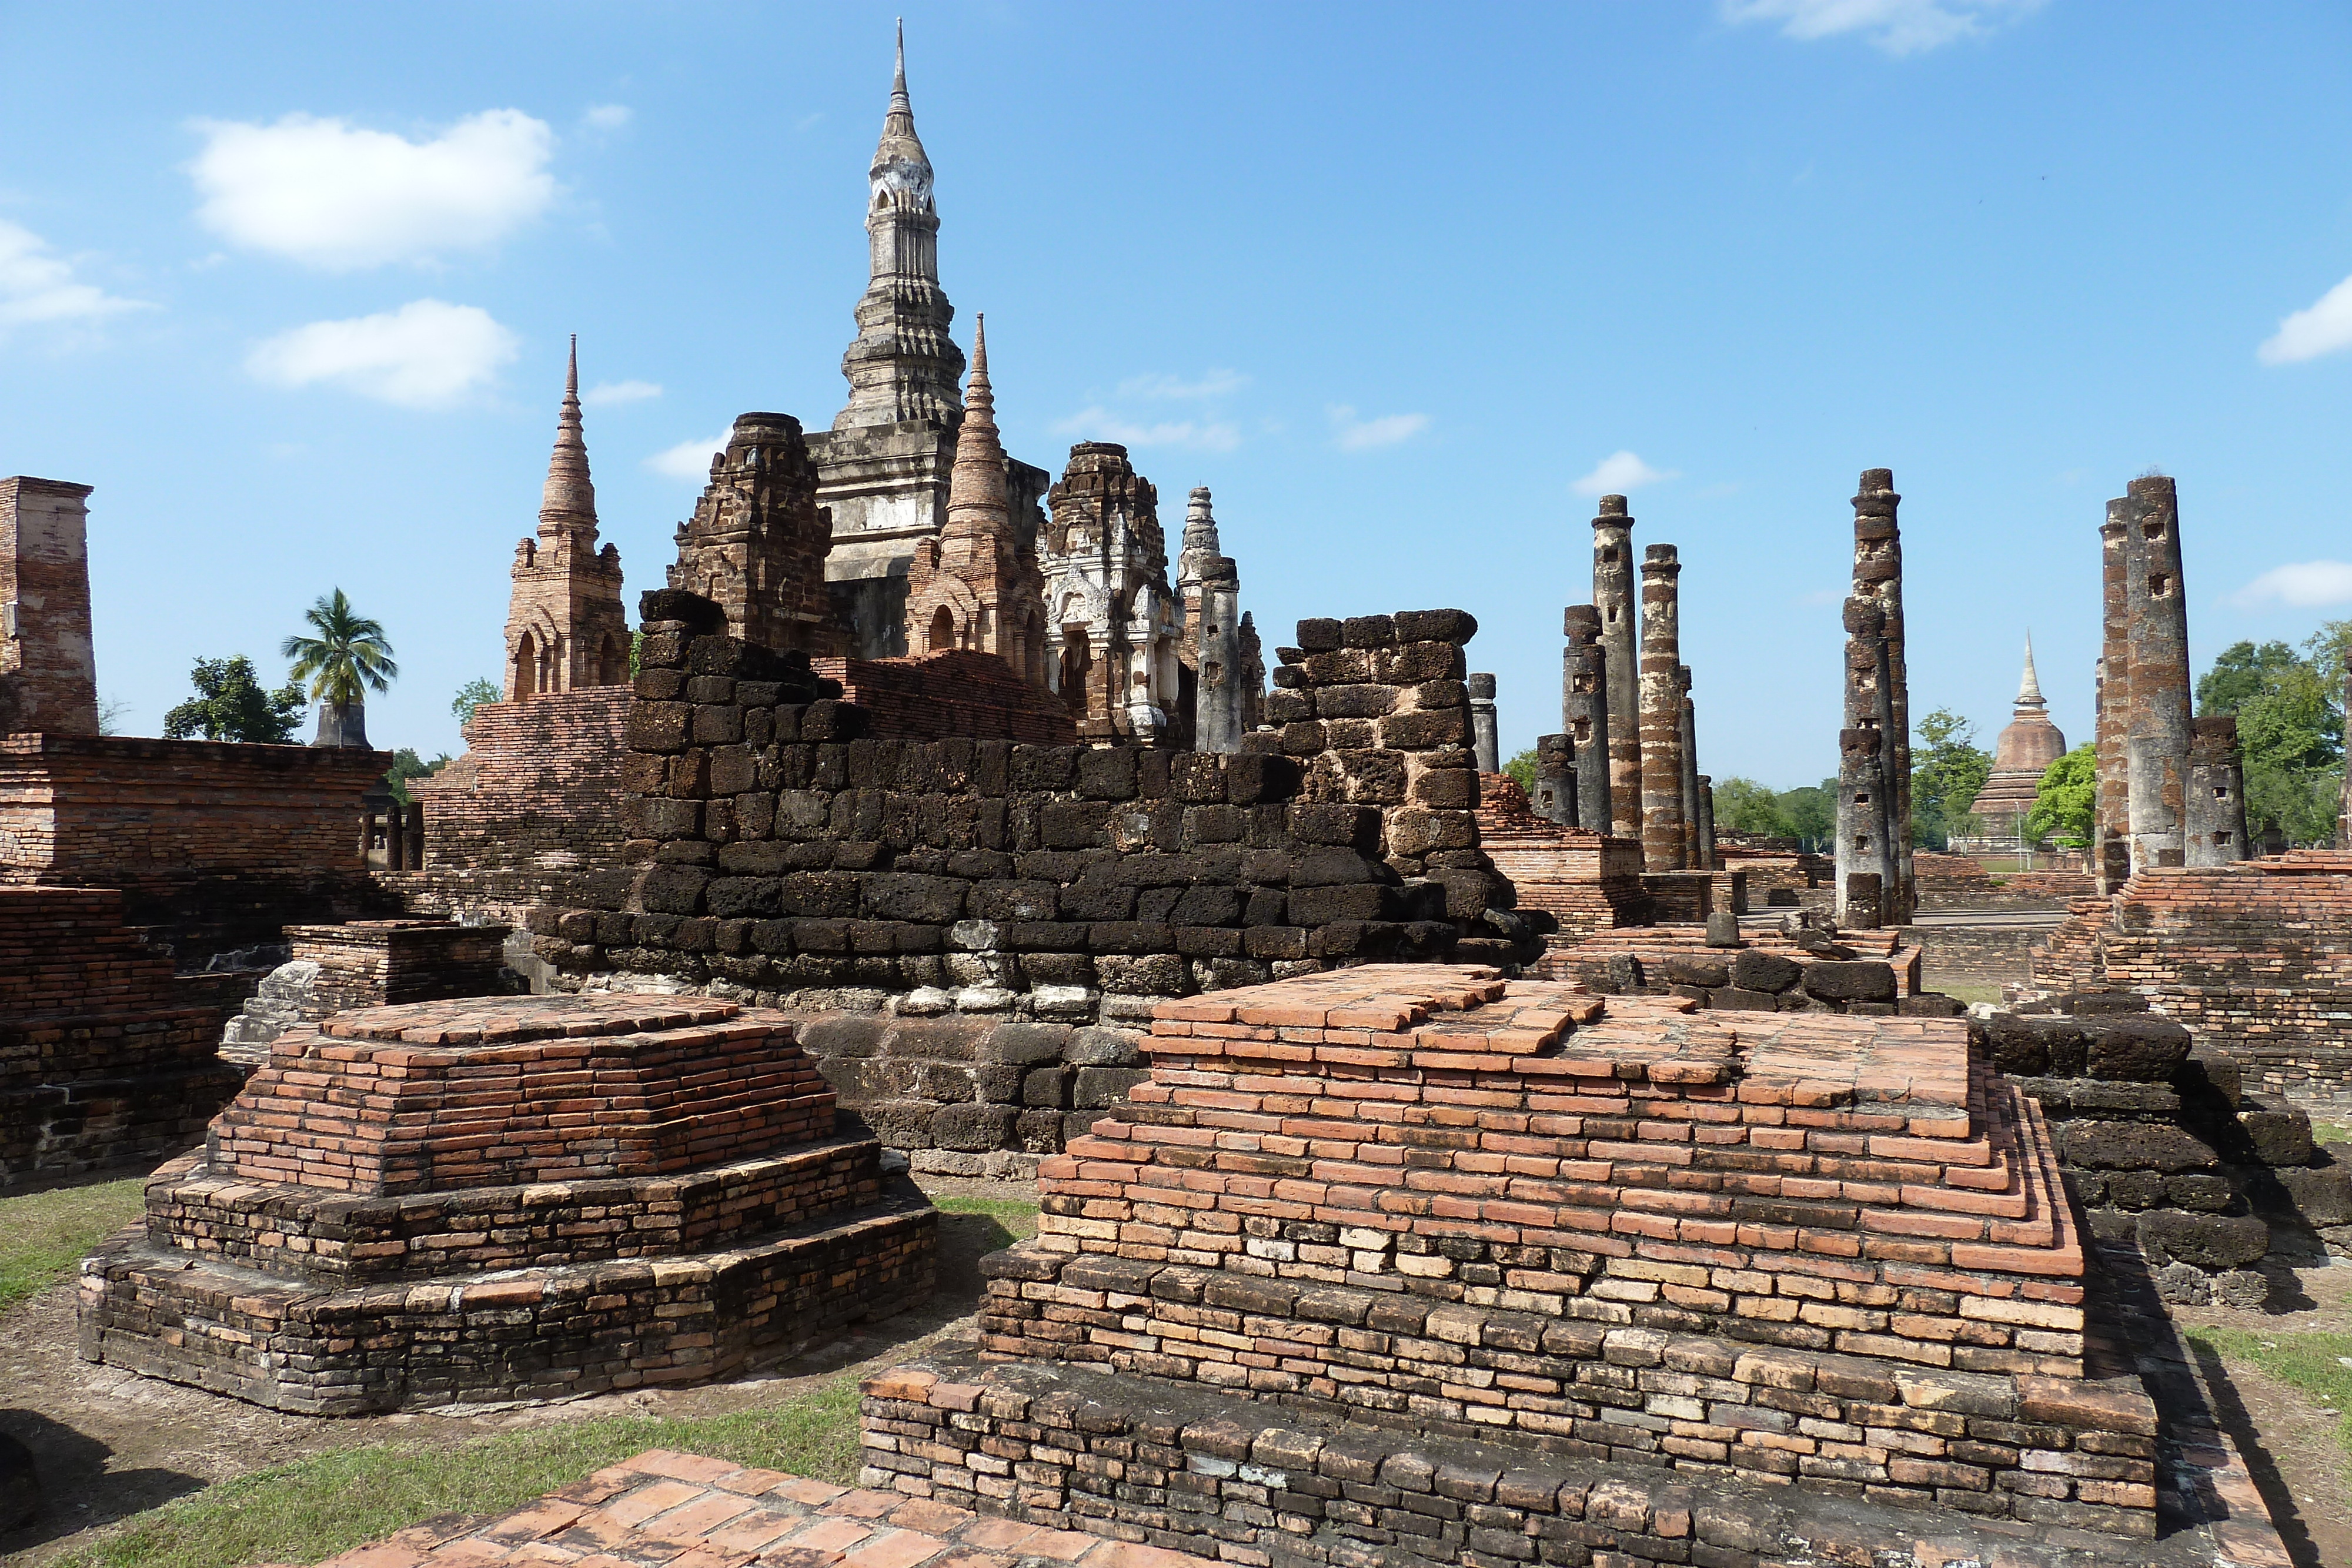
x: 329, y: 1503
x: 1019, y: 1219
x: 43, y: 1234
x: 2320, y: 1365
x: 2332, y: 1132
x: 1969, y: 991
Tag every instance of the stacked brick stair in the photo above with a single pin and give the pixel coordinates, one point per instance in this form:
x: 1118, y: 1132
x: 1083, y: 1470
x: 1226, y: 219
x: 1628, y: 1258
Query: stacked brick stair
x: 1413, y: 1206
x: 504, y: 1198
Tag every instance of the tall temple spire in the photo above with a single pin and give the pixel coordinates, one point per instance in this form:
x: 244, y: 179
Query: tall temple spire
x: 568, y: 502
x: 976, y: 489
x: 903, y: 365
x: 2029, y: 690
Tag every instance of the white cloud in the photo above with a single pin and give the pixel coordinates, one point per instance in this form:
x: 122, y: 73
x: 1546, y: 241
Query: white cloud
x: 1620, y: 473
x: 2324, y: 328
x: 36, y: 286
x: 605, y: 394
x: 339, y: 196
x: 1355, y: 434
x: 2304, y: 585
x: 608, y: 117
x: 1210, y: 384
x: 1098, y: 424
x: 427, y: 354
x: 688, y: 459
x: 1897, y: 26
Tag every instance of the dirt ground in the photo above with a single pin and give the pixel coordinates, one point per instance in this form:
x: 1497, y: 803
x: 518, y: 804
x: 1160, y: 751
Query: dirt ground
x: 110, y: 1443
x: 2303, y: 1472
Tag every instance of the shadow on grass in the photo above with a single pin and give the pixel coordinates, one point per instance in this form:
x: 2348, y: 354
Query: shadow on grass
x: 77, y: 1489
x: 2230, y: 1414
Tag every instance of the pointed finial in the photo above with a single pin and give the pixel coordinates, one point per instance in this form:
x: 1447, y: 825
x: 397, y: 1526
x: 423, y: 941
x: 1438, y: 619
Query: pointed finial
x: 2029, y: 690
x: 898, y: 78
x: 572, y: 372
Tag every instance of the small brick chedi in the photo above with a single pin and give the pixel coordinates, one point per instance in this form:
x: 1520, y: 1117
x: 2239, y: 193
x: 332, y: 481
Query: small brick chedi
x: 506, y: 1198
x: 1414, y: 1258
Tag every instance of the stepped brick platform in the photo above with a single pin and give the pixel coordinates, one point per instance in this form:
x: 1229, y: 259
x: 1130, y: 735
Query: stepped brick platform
x: 509, y: 1198
x: 1423, y: 1203
x: 366, y: 963
x: 106, y: 1060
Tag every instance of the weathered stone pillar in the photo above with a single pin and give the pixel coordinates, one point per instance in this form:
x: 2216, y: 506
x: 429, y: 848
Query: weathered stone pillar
x: 1585, y: 716
x: 2111, y: 834
x: 1878, y: 577
x: 395, y: 838
x: 1616, y: 600
x: 1707, y: 861
x: 2155, y: 743
x: 417, y: 836
x: 367, y: 832
x: 1554, y: 798
x: 2214, y: 806
x: 1219, y: 724
x: 1690, y: 770
x: 2343, y: 801
x: 48, y: 678
x: 1484, y: 743
x: 1664, y: 847
x: 1866, y: 863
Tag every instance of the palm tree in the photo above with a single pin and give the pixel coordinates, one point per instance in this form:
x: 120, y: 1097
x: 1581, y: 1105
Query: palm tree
x: 348, y: 656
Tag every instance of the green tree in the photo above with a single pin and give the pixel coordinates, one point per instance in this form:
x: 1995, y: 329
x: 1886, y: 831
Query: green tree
x: 2066, y: 801
x: 1744, y: 806
x: 1947, y: 768
x: 2289, y: 729
x: 230, y: 704
x: 407, y: 765
x: 347, y: 659
x: 472, y: 696
x: 1811, y: 810
x: 1522, y: 769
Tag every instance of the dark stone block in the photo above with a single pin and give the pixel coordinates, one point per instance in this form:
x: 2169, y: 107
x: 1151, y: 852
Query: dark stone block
x: 1736, y: 999
x: 1075, y: 824
x: 2209, y: 1242
x: 1435, y: 625
x: 672, y: 889
x: 929, y: 900
x: 2280, y: 1132
x: 1931, y: 1005
x: 1101, y: 1088
x: 2134, y: 1145
x: 2212, y: 1071
x: 1755, y: 970
x: 1208, y: 906
x: 1863, y: 980
x: 1106, y: 773
x: 2134, y: 1048
x: 2321, y: 1195
x: 1099, y: 901
x: 744, y: 897
x: 2203, y: 1193
x: 696, y: 615
x: 1681, y: 970
x: 1426, y: 731
x: 973, y: 1128
x: 1337, y: 867
x: 1318, y: 636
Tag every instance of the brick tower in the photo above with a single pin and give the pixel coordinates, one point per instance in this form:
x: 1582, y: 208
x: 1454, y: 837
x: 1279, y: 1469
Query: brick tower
x: 977, y: 585
x: 48, y: 681
x: 566, y: 628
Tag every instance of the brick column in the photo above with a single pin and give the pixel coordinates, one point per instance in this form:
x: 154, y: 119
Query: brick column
x: 2155, y: 742
x: 1706, y: 859
x: 1585, y: 717
x: 48, y: 679
x: 1554, y: 796
x: 1867, y: 866
x: 1663, y: 847
x: 1691, y: 856
x: 1617, y: 602
x: 2214, y: 809
x: 1878, y: 577
x: 2111, y: 836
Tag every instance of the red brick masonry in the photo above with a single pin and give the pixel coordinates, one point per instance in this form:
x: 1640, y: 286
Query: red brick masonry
x: 1800, y: 1247
x: 653, y: 1188
x: 105, y: 1059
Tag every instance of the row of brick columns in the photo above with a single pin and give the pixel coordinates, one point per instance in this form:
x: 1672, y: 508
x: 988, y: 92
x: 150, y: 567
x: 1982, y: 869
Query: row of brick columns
x: 401, y: 830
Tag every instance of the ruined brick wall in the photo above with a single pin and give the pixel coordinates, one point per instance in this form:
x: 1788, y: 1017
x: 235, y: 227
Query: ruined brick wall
x: 779, y: 850
x: 529, y: 815
x: 2254, y: 958
x: 217, y: 845
x: 105, y: 1059
x: 1961, y: 882
x: 957, y: 693
x: 1865, y: 973
x: 1585, y: 882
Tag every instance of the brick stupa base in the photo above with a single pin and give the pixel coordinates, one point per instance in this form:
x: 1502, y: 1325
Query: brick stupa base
x: 1492, y: 1255
x: 509, y: 1198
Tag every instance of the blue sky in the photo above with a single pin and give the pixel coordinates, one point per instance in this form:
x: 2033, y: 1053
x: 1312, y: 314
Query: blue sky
x: 290, y: 286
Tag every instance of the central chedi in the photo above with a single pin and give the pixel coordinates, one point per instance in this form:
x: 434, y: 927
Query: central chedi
x: 509, y: 1198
